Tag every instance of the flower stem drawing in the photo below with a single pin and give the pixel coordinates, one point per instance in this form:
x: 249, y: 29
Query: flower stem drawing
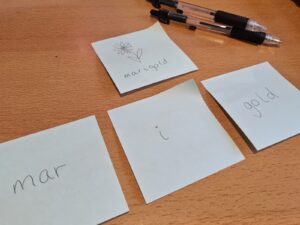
x: 126, y: 49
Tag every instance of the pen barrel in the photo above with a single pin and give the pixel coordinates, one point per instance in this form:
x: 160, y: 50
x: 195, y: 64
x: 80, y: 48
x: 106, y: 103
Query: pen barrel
x: 250, y: 36
x: 177, y: 17
x: 231, y: 19
x: 196, y: 11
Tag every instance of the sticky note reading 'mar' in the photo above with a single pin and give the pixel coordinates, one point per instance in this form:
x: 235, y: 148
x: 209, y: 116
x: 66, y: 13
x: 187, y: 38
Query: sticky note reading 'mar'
x: 142, y: 58
x: 262, y: 103
x: 59, y: 176
x: 172, y: 140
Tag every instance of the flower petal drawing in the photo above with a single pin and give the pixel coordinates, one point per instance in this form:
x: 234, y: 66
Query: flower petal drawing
x: 123, y: 48
x: 126, y: 49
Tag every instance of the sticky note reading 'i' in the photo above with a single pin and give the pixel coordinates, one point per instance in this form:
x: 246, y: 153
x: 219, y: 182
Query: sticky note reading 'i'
x: 262, y: 103
x: 172, y: 140
x: 59, y: 176
x: 142, y: 58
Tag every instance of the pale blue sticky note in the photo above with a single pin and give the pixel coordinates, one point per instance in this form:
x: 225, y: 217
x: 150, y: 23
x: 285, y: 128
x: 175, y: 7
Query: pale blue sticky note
x: 142, y: 58
x: 172, y: 140
x: 261, y: 102
x: 59, y: 176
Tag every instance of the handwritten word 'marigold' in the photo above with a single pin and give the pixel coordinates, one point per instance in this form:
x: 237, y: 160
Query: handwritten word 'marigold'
x: 149, y: 68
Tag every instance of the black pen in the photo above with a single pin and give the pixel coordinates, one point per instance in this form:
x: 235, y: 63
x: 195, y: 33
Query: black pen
x: 255, y: 37
x: 212, y: 15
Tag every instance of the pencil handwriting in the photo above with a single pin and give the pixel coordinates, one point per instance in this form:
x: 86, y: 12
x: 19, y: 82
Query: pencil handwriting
x: 255, y: 104
x: 154, y: 67
x: 164, y: 137
x: 42, y: 178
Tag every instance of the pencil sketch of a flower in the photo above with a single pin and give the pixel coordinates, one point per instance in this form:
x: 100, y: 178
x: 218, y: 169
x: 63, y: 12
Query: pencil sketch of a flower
x: 123, y: 48
x: 126, y: 49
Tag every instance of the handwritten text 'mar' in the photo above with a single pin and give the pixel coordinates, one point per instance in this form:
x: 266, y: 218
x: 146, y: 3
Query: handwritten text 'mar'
x: 42, y: 178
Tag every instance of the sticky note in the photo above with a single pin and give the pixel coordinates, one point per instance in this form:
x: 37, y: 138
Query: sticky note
x: 59, y: 176
x: 142, y: 58
x: 172, y: 140
x: 264, y: 105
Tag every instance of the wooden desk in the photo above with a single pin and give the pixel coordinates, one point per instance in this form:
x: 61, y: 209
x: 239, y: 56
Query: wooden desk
x: 50, y: 75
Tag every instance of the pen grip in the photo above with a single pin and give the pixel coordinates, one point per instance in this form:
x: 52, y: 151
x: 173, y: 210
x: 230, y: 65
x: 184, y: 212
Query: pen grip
x: 250, y: 36
x: 231, y: 19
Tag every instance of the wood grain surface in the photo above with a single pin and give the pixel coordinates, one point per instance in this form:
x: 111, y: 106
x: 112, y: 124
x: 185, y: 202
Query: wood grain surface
x: 49, y: 75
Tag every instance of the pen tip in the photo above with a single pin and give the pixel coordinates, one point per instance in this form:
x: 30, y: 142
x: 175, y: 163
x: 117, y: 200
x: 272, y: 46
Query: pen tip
x: 277, y: 40
x: 253, y: 25
x: 272, y: 40
x: 263, y: 28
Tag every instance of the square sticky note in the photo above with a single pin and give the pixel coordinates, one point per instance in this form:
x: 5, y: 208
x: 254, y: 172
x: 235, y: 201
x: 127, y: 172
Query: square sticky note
x: 59, y: 176
x: 172, y: 140
x: 262, y: 103
x: 142, y: 58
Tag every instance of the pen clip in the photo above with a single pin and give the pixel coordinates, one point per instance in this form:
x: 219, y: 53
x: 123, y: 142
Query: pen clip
x: 161, y: 15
